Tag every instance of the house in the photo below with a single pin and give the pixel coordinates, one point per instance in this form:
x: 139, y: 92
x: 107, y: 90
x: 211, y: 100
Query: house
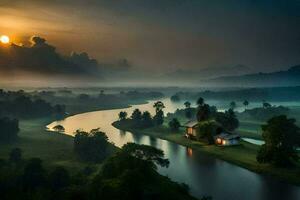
x: 191, y: 129
x: 227, y: 139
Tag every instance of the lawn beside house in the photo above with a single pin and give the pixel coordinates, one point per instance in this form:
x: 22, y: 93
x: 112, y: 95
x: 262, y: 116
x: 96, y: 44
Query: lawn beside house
x: 243, y: 155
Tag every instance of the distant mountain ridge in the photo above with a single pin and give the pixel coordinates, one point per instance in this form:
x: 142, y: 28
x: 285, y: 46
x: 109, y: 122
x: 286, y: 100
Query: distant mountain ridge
x: 213, y: 72
x: 290, y: 77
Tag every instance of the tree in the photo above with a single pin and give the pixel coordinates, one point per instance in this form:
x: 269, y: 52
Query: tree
x: 281, y: 137
x: 228, y: 120
x: 232, y: 105
x: 159, y: 106
x: 206, y: 130
x: 92, y: 146
x: 34, y: 174
x: 159, y: 118
x: 187, y: 104
x: 15, y: 155
x: 188, y: 112
x: 147, y: 153
x: 203, y: 112
x: 147, y: 119
x: 246, y: 103
x: 200, y: 101
x: 59, y: 178
x: 59, y: 128
x: 136, y: 115
x: 122, y: 115
x: 174, y: 124
x: 266, y: 105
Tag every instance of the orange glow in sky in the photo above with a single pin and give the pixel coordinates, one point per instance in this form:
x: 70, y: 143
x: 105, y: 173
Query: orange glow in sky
x: 4, y: 39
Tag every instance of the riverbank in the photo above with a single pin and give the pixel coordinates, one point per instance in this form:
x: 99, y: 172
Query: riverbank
x: 243, y: 155
x: 52, y: 147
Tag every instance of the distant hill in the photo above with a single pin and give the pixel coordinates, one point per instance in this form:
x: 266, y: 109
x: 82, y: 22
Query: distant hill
x: 213, y: 72
x: 290, y: 77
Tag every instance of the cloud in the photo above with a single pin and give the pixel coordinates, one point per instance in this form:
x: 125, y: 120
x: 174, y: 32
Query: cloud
x: 42, y: 58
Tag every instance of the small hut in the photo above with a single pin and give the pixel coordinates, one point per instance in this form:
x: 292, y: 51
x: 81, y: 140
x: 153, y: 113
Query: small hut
x: 227, y: 139
x: 191, y: 129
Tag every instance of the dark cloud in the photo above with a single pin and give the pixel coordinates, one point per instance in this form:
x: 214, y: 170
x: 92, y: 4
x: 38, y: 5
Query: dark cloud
x: 42, y: 58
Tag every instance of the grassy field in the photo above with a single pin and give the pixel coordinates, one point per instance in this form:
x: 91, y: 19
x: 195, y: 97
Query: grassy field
x: 53, y: 148
x: 243, y: 155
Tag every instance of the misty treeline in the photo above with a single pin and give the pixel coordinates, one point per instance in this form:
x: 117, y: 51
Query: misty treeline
x: 83, y: 100
x: 250, y: 94
x: 131, y: 173
x: 263, y: 113
x: 22, y: 105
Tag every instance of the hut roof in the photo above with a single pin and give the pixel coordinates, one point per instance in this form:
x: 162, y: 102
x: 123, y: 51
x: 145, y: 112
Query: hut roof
x: 191, y: 124
x: 227, y: 136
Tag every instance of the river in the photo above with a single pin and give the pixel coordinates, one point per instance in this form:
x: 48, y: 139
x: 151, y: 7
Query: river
x: 205, y: 175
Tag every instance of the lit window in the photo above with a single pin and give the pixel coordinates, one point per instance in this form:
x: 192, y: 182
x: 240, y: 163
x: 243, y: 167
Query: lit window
x: 224, y: 142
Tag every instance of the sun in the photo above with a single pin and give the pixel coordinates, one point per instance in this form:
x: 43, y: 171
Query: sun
x: 4, y: 39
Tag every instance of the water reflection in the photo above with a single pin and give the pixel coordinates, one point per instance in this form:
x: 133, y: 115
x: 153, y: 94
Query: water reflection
x: 204, y: 174
x: 189, y: 152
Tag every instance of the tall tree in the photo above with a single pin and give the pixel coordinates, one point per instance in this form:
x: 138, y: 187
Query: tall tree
x: 158, y: 106
x: 246, y: 103
x: 122, y: 115
x: 281, y: 136
x: 232, y: 105
x: 228, y: 120
x: 147, y: 119
x: 136, y: 115
x: 200, y: 101
x: 159, y: 116
x: 203, y: 112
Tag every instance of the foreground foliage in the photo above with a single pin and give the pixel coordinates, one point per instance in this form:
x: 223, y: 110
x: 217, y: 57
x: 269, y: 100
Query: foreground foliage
x: 92, y: 146
x: 9, y: 129
x: 281, y: 137
x: 129, y: 174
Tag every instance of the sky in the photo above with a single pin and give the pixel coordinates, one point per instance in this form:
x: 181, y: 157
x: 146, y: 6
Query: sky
x: 165, y: 35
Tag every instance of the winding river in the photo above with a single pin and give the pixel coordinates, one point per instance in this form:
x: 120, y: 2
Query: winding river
x: 204, y: 174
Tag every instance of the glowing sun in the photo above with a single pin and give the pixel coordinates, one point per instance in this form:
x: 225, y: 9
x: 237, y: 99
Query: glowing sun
x: 4, y: 39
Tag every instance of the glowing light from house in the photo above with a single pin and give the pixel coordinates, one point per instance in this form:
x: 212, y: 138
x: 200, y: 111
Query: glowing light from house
x: 224, y: 142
